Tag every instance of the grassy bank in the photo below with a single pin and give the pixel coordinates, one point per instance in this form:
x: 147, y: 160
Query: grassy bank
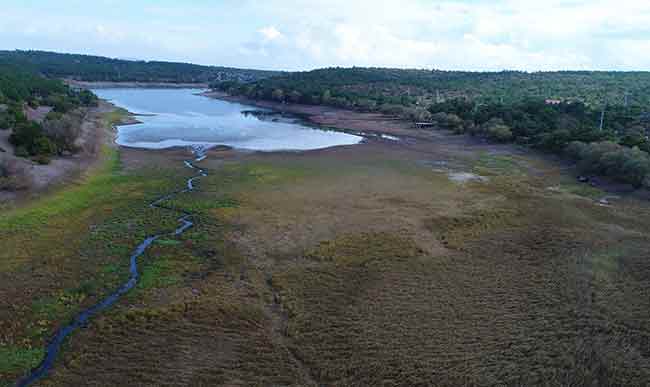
x: 63, y: 251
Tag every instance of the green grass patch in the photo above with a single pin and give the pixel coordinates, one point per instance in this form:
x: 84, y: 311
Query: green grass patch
x: 157, y: 274
x: 69, y: 201
x: 569, y: 185
x: 14, y: 359
x: 60, y: 306
x: 116, y: 116
x: 489, y: 164
x: 200, y: 204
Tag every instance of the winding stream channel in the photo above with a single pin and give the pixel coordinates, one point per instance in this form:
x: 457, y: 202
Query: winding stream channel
x: 53, y: 348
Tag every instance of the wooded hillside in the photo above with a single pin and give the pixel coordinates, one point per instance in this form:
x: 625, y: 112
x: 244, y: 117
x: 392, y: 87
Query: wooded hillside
x: 97, y: 68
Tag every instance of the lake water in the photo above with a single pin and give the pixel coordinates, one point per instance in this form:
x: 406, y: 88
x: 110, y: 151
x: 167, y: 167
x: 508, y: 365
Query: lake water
x: 179, y: 117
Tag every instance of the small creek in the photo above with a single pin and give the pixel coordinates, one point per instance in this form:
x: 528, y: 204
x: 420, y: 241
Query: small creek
x: 53, y: 347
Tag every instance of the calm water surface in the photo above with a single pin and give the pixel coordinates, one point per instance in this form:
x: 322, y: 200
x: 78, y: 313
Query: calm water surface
x: 173, y: 117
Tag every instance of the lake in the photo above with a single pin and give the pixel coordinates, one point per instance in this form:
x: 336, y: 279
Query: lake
x: 180, y: 117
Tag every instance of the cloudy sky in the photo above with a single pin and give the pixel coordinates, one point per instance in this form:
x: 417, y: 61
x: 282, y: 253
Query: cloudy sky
x: 298, y: 35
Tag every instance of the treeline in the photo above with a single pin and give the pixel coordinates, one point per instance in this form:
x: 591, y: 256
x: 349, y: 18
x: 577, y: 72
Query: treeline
x: 613, y: 142
x: 384, y: 89
x: 57, y: 132
x: 96, y: 68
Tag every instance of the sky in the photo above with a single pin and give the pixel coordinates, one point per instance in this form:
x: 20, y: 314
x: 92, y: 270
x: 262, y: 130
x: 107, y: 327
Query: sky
x: 471, y: 35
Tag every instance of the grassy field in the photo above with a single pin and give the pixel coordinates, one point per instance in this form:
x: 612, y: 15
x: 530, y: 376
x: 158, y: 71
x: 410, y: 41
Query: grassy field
x: 363, y: 265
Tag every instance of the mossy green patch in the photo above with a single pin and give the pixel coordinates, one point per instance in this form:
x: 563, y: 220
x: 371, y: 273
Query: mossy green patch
x: 115, y: 117
x: 158, y: 273
x: 489, y: 164
x: 69, y: 201
x: 61, y: 307
x: 569, y: 185
x: 13, y: 359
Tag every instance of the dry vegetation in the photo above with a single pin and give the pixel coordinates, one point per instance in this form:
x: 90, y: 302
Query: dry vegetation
x: 352, y: 266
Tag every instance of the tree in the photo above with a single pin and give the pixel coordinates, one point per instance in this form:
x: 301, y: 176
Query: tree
x: 278, y: 95
x: 326, y: 97
x: 497, y: 130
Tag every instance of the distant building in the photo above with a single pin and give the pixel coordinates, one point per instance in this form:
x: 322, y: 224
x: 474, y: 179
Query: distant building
x: 553, y: 101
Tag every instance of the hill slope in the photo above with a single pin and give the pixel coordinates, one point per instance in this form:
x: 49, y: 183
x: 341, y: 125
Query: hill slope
x: 97, y: 68
x: 349, y: 87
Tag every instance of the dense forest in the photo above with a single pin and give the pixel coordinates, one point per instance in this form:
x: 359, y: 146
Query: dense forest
x: 598, y: 118
x: 377, y: 89
x: 96, y: 68
x: 21, y: 91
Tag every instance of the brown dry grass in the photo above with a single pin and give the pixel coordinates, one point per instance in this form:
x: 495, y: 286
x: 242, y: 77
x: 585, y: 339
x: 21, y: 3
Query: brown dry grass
x: 363, y: 265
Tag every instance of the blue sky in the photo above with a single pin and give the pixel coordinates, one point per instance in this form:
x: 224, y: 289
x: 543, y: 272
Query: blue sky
x: 299, y: 35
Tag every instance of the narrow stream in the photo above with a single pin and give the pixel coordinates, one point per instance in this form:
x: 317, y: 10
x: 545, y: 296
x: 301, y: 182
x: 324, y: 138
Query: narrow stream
x: 54, y: 346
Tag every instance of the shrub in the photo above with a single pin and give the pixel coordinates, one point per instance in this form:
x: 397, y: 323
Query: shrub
x: 576, y: 150
x: 21, y: 151
x: 12, y: 176
x: 630, y: 165
x: 417, y: 114
x: 42, y: 159
x: 500, y: 133
x: 43, y: 146
x: 554, y: 141
x: 449, y: 121
x: 495, y: 129
x: 63, y: 130
x: 31, y: 140
x: 392, y: 109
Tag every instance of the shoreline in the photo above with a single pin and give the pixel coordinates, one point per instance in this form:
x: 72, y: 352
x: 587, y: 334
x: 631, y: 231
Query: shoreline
x: 342, y: 119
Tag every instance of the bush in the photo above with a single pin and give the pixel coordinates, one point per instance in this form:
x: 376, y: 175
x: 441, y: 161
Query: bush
x: 417, y: 114
x: 500, y: 133
x: 449, y: 121
x: 630, y: 165
x: 21, y: 151
x: 495, y: 129
x: 42, y: 159
x: 576, y: 150
x: 30, y: 139
x: 63, y: 130
x: 554, y: 141
x: 12, y: 177
x: 392, y: 109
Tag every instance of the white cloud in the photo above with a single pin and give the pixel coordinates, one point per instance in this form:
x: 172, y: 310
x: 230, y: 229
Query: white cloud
x: 495, y: 35
x: 270, y: 33
x: 302, y: 34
